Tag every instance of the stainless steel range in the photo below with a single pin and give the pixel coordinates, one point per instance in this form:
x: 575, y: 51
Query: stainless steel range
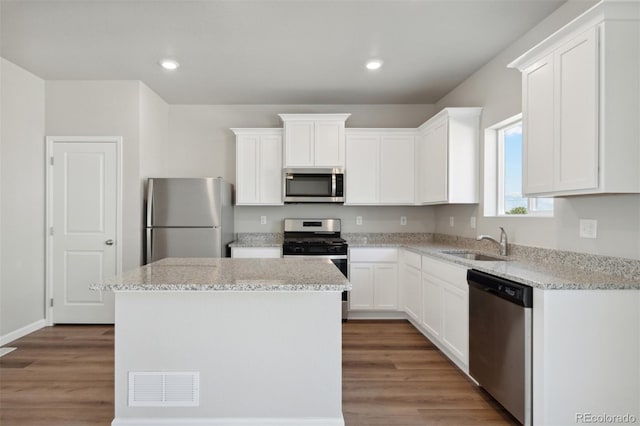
x: 319, y: 238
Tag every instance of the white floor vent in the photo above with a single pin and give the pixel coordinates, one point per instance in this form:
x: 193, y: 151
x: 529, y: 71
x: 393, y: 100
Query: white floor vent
x: 164, y: 389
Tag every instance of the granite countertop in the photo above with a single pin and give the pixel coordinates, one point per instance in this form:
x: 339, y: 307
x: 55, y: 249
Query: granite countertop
x: 537, y: 267
x: 258, y: 240
x: 226, y: 274
x: 536, y: 273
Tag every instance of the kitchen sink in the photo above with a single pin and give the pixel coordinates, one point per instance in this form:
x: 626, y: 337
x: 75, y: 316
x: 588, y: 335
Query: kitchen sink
x: 474, y: 256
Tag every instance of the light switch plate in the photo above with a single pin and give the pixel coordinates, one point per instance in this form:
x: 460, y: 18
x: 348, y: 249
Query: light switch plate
x: 472, y: 222
x: 588, y: 228
x: 263, y: 220
x: 358, y: 220
x: 403, y: 220
x: 451, y: 221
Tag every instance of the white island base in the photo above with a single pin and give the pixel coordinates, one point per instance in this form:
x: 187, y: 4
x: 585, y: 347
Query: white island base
x: 263, y: 357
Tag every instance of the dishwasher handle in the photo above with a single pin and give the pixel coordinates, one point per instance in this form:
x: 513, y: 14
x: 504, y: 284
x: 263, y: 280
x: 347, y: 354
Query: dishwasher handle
x: 514, y: 292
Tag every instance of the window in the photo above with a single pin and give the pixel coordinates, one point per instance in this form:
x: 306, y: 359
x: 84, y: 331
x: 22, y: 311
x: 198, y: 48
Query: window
x: 503, y: 173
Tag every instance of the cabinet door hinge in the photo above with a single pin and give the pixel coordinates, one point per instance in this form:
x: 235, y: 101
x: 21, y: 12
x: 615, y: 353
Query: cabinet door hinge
x: 51, y: 302
x: 51, y: 231
x: 51, y: 161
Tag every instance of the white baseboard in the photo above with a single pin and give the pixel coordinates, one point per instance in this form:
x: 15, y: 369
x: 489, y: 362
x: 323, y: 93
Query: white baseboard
x: 21, y: 332
x: 376, y: 315
x: 329, y: 421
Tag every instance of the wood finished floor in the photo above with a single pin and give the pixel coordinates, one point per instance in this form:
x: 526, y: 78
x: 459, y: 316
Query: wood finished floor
x: 392, y: 376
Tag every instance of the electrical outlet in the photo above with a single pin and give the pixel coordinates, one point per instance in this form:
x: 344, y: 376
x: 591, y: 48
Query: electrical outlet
x: 588, y: 228
x: 358, y: 220
x: 451, y: 221
x: 472, y: 222
x: 263, y: 220
x: 403, y: 220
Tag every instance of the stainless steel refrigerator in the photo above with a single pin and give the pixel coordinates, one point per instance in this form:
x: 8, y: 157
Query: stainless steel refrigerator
x: 188, y: 217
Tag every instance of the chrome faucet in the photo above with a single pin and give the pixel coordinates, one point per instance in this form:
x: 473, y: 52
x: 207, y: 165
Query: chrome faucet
x: 502, y: 243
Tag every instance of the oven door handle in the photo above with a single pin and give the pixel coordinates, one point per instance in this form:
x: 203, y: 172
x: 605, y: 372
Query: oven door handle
x: 322, y: 256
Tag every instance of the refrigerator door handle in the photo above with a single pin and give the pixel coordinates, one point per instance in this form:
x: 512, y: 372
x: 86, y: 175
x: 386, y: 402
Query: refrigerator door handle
x: 149, y: 202
x: 149, y: 245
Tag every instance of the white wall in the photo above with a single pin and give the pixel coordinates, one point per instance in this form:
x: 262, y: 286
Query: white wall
x: 22, y: 194
x: 374, y: 219
x: 201, y: 144
x: 154, y: 138
x: 498, y: 90
x: 105, y: 108
x: 154, y: 133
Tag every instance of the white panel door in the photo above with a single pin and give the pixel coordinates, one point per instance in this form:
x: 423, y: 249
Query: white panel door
x: 432, y: 305
x: 434, y: 164
x: 329, y: 144
x: 455, y: 320
x: 538, y: 127
x: 363, y: 154
x: 361, y: 278
x: 270, y: 179
x: 385, y: 286
x: 410, y: 283
x: 247, y: 169
x: 397, y: 171
x: 84, y: 213
x: 299, y: 143
x: 577, y: 114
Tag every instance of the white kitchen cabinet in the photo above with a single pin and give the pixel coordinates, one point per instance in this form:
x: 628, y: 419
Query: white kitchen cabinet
x: 314, y: 140
x: 361, y: 278
x: 373, y: 273
x: 256, y: 252
x: 380, y: 167
x: 448, y: 169
x: 445, y: 308
x: 410, y: 285
x: 580, y: 105
x: 258, y: 166
x: 431, y: 305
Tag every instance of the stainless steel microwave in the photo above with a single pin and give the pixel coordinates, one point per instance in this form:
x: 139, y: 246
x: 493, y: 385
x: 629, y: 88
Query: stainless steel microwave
x: 314, y: 185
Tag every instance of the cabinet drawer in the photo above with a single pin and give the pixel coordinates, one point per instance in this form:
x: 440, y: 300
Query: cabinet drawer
x: 412, y: 259
x: 256, y: 252
x: 450, y: 273
x: 370, y: 254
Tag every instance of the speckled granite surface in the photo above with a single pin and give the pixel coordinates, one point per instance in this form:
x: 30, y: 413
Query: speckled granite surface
x: 225, y: 274
x: 537, y: 267
x: 385, y: 239
x: 257, y: 240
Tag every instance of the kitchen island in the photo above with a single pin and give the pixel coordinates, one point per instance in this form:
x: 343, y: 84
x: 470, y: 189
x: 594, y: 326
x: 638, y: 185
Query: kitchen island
x: 228, y: 341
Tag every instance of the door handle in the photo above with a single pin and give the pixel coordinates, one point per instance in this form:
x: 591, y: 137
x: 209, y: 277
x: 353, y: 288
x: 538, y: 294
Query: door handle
x: 109, y: 242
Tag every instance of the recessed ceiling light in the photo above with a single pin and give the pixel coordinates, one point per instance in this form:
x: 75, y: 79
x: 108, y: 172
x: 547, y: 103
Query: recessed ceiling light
x: 169, y: 64
x: 374, y: 64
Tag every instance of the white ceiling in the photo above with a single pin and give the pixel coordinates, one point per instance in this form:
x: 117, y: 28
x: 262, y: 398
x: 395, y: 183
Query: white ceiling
x: 268, y: 51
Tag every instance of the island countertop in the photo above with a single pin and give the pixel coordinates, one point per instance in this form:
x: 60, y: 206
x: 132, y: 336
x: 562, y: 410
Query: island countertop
x: 226, y: 274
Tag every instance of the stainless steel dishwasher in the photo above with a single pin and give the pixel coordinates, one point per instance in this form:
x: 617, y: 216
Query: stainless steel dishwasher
x: 500, y: 341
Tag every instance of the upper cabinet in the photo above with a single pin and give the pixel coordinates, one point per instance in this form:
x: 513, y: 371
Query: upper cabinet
x: 581, y: 105
x: 258, y: 166
x: 380, y: 167
x: 314, y: 140
x: 448, y: 157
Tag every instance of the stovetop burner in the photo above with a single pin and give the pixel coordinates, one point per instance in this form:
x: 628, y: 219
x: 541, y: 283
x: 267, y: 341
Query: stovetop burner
x: 292, y: 239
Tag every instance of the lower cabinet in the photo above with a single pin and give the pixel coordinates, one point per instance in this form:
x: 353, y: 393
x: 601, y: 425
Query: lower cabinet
x: 256, y: 252
x: 373, y: 273
x: 411, y: 285
x: 445, y: 308
x: 433, y: 294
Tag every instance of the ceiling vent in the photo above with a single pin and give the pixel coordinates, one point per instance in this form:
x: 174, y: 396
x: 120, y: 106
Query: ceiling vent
x: 164, y: 389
